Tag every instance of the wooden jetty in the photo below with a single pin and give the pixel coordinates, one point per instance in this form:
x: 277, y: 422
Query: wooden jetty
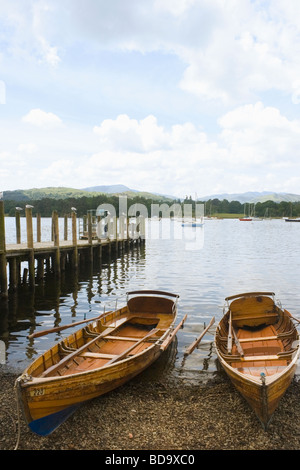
x: 86, y: 246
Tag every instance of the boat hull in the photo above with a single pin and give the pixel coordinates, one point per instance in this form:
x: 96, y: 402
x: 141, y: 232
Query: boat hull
x: 96, y: 360
x: 263, y: 399
x: 257, y: 345
x: 48, y: 403
x: 192, y: 224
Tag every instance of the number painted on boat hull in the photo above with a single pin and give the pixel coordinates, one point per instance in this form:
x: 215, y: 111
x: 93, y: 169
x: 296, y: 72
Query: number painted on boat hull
x: 37, y: 392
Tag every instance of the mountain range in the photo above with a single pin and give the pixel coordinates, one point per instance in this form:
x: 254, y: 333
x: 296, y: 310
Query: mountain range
x: 64, y: 193
x: 253, y: 197
x: 116, y: 189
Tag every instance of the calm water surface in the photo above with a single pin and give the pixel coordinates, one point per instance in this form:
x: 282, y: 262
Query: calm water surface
x: 203, y: 265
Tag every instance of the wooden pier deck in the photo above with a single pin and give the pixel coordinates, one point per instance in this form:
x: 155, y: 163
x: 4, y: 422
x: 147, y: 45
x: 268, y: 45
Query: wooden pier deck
x: 58, y: 251
x: 21, y: 249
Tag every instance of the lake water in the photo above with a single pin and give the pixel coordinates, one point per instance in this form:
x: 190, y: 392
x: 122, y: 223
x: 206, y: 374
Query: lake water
x: 203, y: 265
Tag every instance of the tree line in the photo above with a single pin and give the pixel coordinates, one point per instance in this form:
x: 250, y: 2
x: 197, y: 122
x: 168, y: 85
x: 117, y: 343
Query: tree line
x: 83, y: 205
x: 260, y: 209
x: 46, y: 206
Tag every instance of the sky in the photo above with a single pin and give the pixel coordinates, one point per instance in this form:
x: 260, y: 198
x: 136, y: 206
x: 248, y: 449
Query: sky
x: 177, y: 97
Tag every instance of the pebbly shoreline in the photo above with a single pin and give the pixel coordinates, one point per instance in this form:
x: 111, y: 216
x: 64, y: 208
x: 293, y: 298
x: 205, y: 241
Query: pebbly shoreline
x: 159, y: 415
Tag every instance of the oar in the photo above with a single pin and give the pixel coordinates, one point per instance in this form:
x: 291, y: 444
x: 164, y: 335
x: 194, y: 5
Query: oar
x: 169, y: 338
x: 64, y: 327
x: 195, y: 343
x: 133, y: 346
x: 229, y: 338
x: 237, y: 343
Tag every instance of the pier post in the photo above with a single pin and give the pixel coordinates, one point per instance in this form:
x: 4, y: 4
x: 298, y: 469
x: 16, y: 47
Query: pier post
x: 56, y: 243
x: 3, y: 270
x: 29, y: 229
x: 90, y: 236
x: 74, y: 240
x: 13, y: 275
x: 38, y: 228
x: 121, y: 232
x: 66, y: 227
x: 31, y: 269
x: 18, y: 226
x: 40, y: 268
x: 142, y: 228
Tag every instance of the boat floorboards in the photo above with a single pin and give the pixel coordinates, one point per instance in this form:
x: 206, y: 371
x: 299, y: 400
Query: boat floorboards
x: 110, y: 347
x: 265, y: 347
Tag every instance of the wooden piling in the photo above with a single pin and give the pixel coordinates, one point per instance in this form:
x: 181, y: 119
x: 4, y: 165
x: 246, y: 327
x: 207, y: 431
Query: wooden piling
x: 65, y: 227
x: 18, y: 226
x: 3, y: 270
x: 40, y: 268
x: 74, y: 240
x: 90, y: 237
x: 56, y: 258
x: 13, y: 278
x: 38, y: 228
x: 29, y: 231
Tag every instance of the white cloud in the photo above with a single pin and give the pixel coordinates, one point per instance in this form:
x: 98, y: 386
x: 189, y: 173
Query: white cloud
x: 175, y: 7
x: 2, y: 91
x: 28, y: 148
x: 248, y: 52
x: 43, y: 119
x: 59, y: 171
x: 231, y: 50
x: 256, y: 134
x: 254, y: 144
x: 4, y: 156
x: 174, y: 94
x: 132, y: 135
x: 25, y: 24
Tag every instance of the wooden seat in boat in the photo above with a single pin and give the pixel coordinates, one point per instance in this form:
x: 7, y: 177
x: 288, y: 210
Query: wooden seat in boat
x: 253, y: 311
x: 255, y: 371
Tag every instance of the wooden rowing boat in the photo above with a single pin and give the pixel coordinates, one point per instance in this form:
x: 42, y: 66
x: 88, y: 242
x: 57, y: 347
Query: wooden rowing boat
x: 257, y: 345
x: 98, y: 358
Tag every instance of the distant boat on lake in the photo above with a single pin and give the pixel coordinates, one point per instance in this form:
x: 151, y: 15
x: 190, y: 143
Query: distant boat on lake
x: 251, y: 216
x: 193, y: 223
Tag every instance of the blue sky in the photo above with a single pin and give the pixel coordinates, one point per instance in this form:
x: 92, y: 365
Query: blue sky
x: 170, y: 96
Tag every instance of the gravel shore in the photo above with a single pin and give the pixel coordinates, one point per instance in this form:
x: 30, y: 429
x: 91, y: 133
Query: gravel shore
x: 159, y: 415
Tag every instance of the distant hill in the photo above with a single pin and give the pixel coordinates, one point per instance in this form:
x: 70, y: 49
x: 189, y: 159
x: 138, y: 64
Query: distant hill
x: 41, y: 193
x: 254, y: 197
x: 64, y: 193
x: 111, y: 189
x: 35, y: 194
x: 120, y: 188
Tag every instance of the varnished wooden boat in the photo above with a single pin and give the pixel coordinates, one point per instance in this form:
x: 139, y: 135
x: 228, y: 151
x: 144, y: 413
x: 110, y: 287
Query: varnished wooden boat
x: 97, y: 358
x: 257, y: 344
